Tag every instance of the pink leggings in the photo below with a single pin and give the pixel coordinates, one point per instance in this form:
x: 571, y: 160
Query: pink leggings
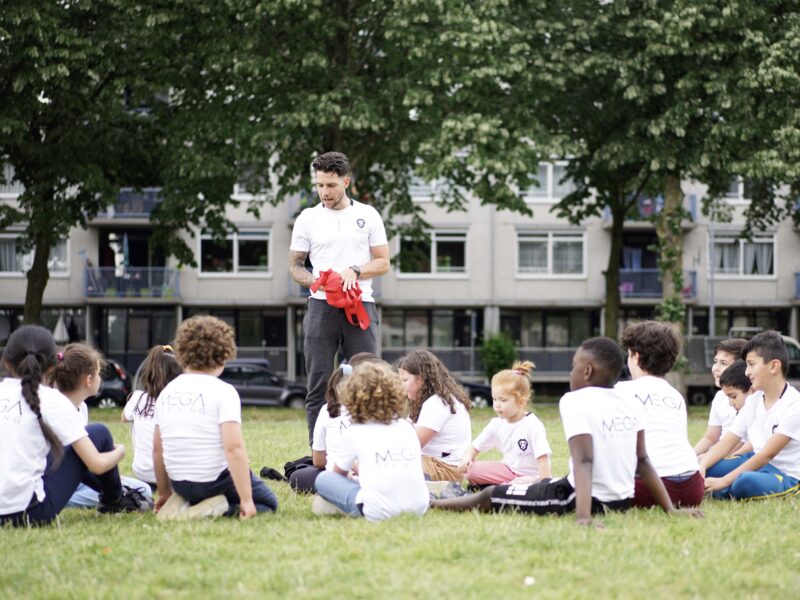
x: 490, y: 472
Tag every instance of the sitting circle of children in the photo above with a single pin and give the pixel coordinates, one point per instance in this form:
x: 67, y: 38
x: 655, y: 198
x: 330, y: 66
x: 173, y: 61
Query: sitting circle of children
x: 395, y: 439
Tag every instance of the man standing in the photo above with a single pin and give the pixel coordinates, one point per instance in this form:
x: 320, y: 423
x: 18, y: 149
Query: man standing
x: 349, y: 237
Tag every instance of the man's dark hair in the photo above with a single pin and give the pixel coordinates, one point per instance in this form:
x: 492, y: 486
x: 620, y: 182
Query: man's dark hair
x: 734, y: 377
x: 732, y: 346
x: 769, y: 346
x: 657, y: 343
x: 332, y: 162
x: 609, y: 357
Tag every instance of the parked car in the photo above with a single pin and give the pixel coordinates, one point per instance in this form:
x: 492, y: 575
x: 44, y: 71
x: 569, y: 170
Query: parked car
x: 115, y: 388
x: 259, y: 386
x: 479, y: 393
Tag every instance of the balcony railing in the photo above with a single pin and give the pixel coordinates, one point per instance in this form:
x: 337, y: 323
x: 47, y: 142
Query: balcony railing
x: 797, y: 285
x: 650, y: 207
x: 131, y: 282
x: 133, y: 204
x: 646, y: 283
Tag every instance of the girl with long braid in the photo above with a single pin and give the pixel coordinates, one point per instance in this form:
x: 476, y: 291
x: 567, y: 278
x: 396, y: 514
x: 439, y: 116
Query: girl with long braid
x: 45, y: 451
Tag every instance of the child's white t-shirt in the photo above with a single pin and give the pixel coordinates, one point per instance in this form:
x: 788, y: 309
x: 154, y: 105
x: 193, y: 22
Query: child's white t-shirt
x: 328, y: 434
x: 83, y: 411
x: 666, y: 430
x: 337, y: 239
x: 453, y: 431
x: 613, y: 422
x: 722, y: 413
x: 142, y: 427
x: 389, y: 468
x: 521, y: 443
x: 189, y: 413
x: 757, y: 424
x: 23, y: 448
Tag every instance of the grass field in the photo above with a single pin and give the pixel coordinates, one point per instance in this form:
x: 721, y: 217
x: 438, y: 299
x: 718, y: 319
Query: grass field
x: 744, y: 551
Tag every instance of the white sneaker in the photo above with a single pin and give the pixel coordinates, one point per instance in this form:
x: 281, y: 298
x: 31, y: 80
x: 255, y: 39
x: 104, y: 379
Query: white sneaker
x: 173, y: 508
x: 320, y: 506
x: 216, y: 506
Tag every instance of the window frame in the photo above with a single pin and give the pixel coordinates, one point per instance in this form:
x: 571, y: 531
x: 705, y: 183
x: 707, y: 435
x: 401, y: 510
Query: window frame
x: 235, y: 237
x: 437, y: 235
x: 546, y: 195
x: 740, y: 274
x: 550, y: 237
x: 53, y: 273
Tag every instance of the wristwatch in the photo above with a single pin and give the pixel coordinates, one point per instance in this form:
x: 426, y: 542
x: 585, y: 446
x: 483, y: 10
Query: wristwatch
x: 356, y: 269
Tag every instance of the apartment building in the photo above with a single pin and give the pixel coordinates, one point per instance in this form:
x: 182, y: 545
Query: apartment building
x: 539, y: 278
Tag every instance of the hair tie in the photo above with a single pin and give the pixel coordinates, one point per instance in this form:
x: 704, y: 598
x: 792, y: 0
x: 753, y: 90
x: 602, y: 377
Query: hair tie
x: 347, y: 369
x: 60, y: 356
x: 519, y: 372
x: 167, y: 348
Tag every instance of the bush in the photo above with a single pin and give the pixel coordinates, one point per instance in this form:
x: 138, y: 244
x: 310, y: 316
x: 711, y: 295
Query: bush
x: 498, y: 353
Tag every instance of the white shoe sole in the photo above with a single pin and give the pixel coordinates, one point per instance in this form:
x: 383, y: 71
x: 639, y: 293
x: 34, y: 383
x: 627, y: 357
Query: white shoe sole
x: 216, y: 506
x: 173, y: 509
x: 320, y: 506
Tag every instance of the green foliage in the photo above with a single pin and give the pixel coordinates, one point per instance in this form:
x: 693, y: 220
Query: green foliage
x: 498, y: 352
x: 297, y: 554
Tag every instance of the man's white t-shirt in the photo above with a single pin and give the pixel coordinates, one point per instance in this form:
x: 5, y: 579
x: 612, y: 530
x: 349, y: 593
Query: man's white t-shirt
x: 757, y: 424
x: 722, y: 413
x: 142, y: 427
x: 521, y: 443
x: 328, y: 433
x: 453, y: 431
x: 23, y: 448
x: 337, y: 239
x: 666, y: 429
x: 614, y: 423
x: 389, y: 468
x: 189, y: 414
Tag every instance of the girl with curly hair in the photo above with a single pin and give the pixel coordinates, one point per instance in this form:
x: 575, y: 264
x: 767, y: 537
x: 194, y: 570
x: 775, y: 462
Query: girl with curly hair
x: 516, y: 432
x: 438, y: 407
x: 199, y: 457
x: 383, y: 445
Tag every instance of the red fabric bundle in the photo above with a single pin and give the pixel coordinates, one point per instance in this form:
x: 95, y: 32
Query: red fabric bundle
x: 349, y: 301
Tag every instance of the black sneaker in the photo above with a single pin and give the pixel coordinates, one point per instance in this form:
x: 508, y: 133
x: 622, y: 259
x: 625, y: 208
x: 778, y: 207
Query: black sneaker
x: 272, y: 474
x: 132, y: 500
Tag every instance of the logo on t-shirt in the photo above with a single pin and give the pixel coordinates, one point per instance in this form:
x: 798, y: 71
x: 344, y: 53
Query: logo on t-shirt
x: 361, y: 223
x: 11, y: 411
x: 523, y: 444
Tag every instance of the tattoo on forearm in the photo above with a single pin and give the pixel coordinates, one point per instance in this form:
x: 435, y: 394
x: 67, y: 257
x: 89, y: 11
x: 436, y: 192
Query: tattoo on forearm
x: 297, y: 268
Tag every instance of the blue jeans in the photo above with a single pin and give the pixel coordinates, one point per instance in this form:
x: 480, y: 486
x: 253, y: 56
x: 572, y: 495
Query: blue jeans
x: 764, y: 483
x: 263, y: 497
x: 339, y: 490
x: 86, y: 497
x: 60, y: 483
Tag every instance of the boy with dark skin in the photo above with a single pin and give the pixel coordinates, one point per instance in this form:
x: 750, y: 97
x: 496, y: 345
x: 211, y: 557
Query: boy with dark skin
x: 595, y: 368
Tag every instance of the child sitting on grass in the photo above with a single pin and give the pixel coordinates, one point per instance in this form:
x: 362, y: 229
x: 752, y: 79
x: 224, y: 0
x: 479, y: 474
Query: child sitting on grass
x: 520, y: 435
x: 770, y: 419
x: 199, y: 456
x: 722, y: 413
x: 45, y: 449
x: 606, y: 444
x: 737, y: 387
x: 383, y: 445
x: 438, y: 407
x: 77, y: 376
x: 653, y: 348
x: 160, y: 366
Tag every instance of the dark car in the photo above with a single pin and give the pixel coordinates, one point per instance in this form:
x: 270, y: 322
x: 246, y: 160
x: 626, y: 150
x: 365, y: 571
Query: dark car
x: 479, y: 393
x: 259, y: 386
x: 116, y: 386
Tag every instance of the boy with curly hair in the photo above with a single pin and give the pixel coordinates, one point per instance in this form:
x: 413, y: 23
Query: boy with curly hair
x: 199, y: 456
x: 384, y: 446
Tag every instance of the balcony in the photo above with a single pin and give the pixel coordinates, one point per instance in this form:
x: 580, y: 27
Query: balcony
x: 131, y: 282
x: 133, y: 204
x: 797, y: 286
x: 647, y: 208
x: 646, y: 283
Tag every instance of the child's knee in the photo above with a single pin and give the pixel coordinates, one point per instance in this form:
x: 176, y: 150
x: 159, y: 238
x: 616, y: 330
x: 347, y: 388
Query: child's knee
x: 748, y: 485
x: 101, y: 436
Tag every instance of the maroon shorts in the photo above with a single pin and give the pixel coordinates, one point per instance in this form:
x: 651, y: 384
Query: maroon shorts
x: 683, y: 492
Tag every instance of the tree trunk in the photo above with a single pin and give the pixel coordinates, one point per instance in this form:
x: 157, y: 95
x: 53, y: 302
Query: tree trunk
x: 37, y: 279
x: 613, y: 301
x: 670, y: 238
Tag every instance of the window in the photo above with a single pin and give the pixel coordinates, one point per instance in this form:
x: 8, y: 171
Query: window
x: 8, y: 187
x: 438, y: 328
x: 740, y: 189
x: 244, y: 252
x: 424, y: 191
x: 444, y: 253
x: 550, y: 254
x: 13, y: 260
x: 744, y: 258
x: 549, y: 328
x: 552, y: 183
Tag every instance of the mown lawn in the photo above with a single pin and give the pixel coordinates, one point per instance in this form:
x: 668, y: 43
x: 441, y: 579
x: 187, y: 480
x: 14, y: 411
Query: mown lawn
x: 744, y: 551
